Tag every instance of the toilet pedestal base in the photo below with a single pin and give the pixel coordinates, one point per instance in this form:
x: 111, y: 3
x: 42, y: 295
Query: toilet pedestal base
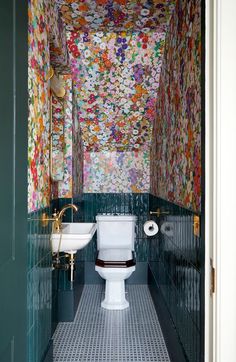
x: 115, y: 296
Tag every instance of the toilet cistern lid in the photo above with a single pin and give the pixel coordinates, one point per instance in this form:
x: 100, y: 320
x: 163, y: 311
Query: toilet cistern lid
x: 116, y: 217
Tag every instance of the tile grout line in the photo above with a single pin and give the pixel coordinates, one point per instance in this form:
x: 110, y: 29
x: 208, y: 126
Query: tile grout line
x: 131, y: 335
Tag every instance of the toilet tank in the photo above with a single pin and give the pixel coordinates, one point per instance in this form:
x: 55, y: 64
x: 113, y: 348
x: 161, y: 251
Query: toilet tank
x: 115, y: 231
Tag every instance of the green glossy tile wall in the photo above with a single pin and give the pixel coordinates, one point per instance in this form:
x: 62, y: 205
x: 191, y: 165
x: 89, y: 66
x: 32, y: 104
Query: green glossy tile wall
x: 39, y: 287
x: 67, y: 294
x: 127, y: 203
x: 176, y: 261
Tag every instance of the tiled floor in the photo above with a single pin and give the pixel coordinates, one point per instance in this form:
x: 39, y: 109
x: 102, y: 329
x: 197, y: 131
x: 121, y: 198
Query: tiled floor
x: 100, y: 335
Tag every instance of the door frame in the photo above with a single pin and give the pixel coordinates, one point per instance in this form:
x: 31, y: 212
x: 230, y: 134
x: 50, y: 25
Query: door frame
x: 220, y: 309
x: 209, y: 170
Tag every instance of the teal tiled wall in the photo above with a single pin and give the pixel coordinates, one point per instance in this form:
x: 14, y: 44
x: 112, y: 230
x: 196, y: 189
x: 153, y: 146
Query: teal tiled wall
x: 39, y: 287
x: 175, y: 258
x: 175, y: 261
x: 66, y: 295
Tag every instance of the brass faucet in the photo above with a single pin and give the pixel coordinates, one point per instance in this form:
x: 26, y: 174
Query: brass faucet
x: 57, y: 217
x: 68, y: 206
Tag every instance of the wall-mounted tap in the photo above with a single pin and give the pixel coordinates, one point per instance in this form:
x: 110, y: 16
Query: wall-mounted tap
x: 57, y: 216
x: 68, y: 206
x: 56, y: 222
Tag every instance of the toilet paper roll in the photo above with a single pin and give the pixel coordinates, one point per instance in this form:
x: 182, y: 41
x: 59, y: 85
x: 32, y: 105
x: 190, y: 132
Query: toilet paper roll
x: 167, y: 228
x: 150, y: 228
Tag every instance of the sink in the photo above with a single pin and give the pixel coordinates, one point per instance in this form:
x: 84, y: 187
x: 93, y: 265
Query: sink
x: 74, y: 236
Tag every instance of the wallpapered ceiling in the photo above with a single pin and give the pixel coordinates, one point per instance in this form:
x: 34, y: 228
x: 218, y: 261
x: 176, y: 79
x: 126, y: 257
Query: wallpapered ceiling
x: 116, y: 61
x: 176, y: 151
x: 116, y: 77
x: 47, y: 44
x: 57, y: 39
x: 115, y: 15
x: 116, y: 68
x: 116, y: 72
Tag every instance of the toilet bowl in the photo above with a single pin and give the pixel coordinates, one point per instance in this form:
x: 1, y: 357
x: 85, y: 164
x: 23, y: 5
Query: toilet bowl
x: 115, y: 260
x: 115, y: 266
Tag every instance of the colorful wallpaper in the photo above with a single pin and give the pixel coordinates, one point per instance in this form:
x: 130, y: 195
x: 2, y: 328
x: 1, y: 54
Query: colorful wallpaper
x: 111, y: 172
x: 176, y: 150
x: 65, y: 183
x: 68, y: 173
x: 59, y: 57
x: 116, y: 59
x: 77, y: 150
x: 58, y: 139
x: 43, y: 32
x: 118, y: 15
x: 116, y: 76
x: 39, y: 106
x: 116, y: 53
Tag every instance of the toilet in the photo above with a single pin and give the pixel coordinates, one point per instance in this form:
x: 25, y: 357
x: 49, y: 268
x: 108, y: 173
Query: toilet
x: 115, y: 260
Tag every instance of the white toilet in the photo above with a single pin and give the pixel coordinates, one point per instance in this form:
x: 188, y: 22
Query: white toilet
x: 115, y: 260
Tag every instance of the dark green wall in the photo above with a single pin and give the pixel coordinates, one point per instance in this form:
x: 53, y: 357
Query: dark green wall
x: 39, y: 287
x: 13, y: 180
x: 176, y: 261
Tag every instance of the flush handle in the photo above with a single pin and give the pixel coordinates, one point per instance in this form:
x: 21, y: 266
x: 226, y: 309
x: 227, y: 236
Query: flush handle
x: 158, y: 212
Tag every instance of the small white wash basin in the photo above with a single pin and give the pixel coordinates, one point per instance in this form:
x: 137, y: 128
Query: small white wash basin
x: 73, y: 236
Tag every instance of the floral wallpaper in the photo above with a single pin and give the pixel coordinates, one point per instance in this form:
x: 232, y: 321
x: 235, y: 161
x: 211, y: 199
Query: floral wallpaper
x: 125, y: 89
x: 110, y: 172
x: 39, y: 106
x: 58, y: 138
x: 121, y: 15
x: 116, y: 76
x: 59, y: 58
x: 67, y: 154
x: 116, y: 54
x: 65, y: 183
x: 72, y: 183
x: 42, y: 29
x: 176, y: 150
x: 78, y: 151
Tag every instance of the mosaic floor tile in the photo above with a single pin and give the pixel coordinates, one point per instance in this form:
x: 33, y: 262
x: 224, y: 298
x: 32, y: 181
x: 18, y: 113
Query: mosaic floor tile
x: 99, y: 335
